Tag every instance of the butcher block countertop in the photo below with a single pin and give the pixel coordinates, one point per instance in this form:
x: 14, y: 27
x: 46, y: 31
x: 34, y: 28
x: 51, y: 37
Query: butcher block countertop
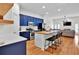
x: 46, y: 32
x: 42, y: 32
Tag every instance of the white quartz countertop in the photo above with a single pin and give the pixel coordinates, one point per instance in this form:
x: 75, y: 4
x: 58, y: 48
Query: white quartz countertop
x: 10, y: 38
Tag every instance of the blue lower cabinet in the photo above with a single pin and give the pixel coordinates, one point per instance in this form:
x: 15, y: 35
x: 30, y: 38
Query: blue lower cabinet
x: 25, y: 34
x: 18, y: 48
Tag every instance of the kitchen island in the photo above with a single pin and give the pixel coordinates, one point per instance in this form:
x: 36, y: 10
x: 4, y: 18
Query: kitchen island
x: 12, y: 44
x: 40, y: 38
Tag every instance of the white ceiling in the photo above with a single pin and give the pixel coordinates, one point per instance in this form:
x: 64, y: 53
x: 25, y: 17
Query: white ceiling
x: 51, y: 8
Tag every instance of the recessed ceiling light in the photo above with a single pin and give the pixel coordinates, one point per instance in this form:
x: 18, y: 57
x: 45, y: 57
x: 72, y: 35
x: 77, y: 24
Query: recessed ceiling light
x: 43, y: 6
x: 46, y: 12
x: 58, y: 10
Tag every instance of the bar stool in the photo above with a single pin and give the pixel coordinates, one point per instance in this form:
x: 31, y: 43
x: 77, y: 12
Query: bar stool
x: 60, y: 34
x: 58, y: 41
x: 51, y: 41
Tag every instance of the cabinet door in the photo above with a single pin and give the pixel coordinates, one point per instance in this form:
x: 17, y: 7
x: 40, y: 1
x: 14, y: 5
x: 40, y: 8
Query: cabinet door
x: 25, y: 34
x: 32, y: 19
x: 23, y: 20
x: 40, y: 20
x: 35, y: 21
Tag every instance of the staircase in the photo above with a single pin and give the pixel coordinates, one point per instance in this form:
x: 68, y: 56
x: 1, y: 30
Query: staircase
x: 4, y: 8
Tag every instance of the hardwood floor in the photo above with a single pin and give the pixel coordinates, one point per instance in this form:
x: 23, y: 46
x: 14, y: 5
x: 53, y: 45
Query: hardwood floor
x: 67, y: 47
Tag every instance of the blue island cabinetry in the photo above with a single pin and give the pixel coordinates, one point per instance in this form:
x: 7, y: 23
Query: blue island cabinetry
x: 18, y: 48
x: 12, y: 44
x: 25, y: 34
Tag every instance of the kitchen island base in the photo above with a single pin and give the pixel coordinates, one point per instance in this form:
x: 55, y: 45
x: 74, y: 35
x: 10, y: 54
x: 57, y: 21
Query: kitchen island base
x: 18, y: 48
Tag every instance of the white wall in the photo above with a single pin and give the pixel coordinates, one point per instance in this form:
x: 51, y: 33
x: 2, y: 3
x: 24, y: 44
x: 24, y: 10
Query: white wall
x: 48, y: 21
x: 73, y: 20
x: 12, y: 14
x: 53, y: 21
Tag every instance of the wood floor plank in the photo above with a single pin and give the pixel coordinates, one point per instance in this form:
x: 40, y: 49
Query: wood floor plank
x: 67, y: 47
